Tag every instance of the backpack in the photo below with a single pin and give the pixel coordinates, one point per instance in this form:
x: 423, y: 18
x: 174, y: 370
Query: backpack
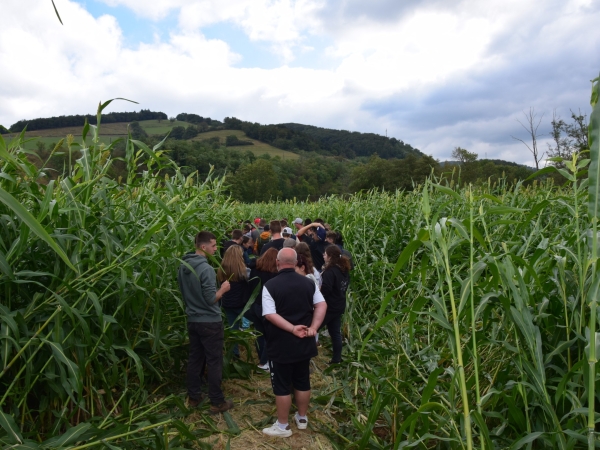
x: 264, y: 237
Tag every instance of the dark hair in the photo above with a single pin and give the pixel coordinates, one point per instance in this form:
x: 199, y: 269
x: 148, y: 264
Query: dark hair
x: 336, y: 259
x: 275, y: 226
x: 247, y: 227
x: 303, y: 249
x: 204, y: 237
x: 332, y: 235
x: 306, y: 262
x: 268, y: 261
x: 262, y: 222
x: 236, y: 234
x: 307, y: 222
x: 283, y: 223
x: 245, y: 239
x: 266, y: 227
x: 321, y: 221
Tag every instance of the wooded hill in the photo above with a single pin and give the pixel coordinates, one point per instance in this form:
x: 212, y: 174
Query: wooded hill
x: 282, y: 161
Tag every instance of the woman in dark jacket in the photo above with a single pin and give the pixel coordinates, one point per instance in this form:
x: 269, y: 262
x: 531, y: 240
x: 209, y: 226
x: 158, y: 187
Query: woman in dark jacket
x: 334, y: 283
x: 266, y: 268
x: 233, y: 269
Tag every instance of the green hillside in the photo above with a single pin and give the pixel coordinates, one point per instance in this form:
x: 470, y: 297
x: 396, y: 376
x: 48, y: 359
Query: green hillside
x: 112, y: 131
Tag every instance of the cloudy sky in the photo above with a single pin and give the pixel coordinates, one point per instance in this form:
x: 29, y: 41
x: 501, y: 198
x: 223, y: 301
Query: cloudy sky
x: 434, y: 73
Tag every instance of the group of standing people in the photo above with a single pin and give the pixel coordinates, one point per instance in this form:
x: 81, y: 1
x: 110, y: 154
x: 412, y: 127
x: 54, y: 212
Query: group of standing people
x: 289, y: 284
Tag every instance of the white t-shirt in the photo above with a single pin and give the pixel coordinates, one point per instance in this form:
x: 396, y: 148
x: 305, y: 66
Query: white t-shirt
x: 317, y: 276
x: 268, y: 304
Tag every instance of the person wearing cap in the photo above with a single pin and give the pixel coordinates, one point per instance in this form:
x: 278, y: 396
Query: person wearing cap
x: 316, y: 242
x: 276, y: 238
x: 288, y: 233
x: 298, y: 223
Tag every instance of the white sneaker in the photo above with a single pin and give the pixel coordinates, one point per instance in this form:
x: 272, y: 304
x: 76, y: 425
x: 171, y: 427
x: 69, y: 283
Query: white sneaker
x: 264, y: 367
x: 300, y: 423
x: 275, y: 430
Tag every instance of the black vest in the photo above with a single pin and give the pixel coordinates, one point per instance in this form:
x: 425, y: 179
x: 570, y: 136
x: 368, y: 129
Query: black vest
x: 293, y: 296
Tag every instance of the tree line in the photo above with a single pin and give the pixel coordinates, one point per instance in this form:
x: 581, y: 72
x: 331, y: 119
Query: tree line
x: 48, y: 123
x: 324, y: 141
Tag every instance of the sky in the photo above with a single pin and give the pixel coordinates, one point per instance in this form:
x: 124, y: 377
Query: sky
x: 436, y: 74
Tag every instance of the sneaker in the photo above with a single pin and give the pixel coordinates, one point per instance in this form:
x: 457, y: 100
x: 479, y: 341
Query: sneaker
x: 275, y: 430
x: 217, y: 409
x: 264, y: 367
x: 300, y: 423
x: 331, y: 362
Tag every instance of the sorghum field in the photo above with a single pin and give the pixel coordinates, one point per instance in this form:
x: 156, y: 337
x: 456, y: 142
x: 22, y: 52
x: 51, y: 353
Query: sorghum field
x: 472, y: 318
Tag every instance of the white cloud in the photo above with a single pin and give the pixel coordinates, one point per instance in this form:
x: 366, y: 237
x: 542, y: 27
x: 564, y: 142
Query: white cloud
x: 436, y: 75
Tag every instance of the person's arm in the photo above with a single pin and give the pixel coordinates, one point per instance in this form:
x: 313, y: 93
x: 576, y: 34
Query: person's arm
x: 327, y: 282
x: 208, y: 283
x: 297, y: 330
x: 303, y: 230
x: 225, y: 286
x: 318, y: 315
x: 271, y: 315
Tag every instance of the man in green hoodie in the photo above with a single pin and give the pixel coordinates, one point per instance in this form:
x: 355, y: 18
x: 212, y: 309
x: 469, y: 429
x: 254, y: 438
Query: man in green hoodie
x: 198, y: 286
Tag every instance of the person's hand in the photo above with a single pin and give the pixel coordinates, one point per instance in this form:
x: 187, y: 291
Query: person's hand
x: 225, y: 286
x: 311, y: 332
x: 299, y: 331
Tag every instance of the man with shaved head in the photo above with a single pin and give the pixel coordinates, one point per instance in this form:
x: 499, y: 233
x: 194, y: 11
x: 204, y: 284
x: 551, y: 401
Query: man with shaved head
x: 294, y: 309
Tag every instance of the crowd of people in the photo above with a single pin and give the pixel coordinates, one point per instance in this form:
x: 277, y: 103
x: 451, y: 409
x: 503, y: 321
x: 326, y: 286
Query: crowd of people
x: 289, y: 283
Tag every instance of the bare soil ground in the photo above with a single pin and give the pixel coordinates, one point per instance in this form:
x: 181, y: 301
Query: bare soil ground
x: 255, y: 409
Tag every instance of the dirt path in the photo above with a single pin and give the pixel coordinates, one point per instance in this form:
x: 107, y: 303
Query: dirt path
x: 255, y: 410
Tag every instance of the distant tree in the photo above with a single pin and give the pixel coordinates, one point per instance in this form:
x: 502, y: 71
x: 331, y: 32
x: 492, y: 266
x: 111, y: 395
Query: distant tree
x: 177, y: 133
x: 531, y: 125
x: 231, y: 140
x: 3, y: 130
x: 190, y: 132
x: 256, y: 182
x: 464, y: 156
x: 172, y: 119
x: 568, y: 138
x: 137, y: 132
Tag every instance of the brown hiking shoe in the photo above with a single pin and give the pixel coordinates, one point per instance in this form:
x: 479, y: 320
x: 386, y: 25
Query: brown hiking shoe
x: 217, y: 409
x: 194, y: 402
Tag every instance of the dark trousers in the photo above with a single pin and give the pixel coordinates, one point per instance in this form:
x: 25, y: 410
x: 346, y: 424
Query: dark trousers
x: 232, y: 314
x: 206, y: 350
x: 333, y: 321
x: 254, y: 315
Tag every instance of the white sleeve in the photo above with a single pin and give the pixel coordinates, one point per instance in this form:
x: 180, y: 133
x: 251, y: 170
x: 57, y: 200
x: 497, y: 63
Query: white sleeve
x: 268, y: 304
x: 317, y: 277
x: 317, y: 298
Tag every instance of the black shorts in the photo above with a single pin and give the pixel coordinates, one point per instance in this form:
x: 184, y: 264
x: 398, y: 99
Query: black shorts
x: 286, y: 376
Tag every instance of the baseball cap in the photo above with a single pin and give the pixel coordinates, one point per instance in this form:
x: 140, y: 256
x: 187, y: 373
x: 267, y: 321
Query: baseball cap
x: 257, y: 220
x: 287, y: 230
x: 298, y: 220
x: 321, y: 233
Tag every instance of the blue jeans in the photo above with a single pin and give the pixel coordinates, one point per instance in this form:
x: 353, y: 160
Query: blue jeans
x: 232, y: 314
x: 333, y: 321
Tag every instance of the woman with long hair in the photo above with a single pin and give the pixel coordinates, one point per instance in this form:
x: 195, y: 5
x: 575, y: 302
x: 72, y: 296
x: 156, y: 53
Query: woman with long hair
x: 334, y: 283
x: 303, y: 249
x: 233, y: 269
x: 304, y: 268
x: 266, y: 268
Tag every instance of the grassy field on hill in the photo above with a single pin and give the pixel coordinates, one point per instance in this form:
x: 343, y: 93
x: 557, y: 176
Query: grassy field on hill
x: 259, y: 148
x: 113, y: 131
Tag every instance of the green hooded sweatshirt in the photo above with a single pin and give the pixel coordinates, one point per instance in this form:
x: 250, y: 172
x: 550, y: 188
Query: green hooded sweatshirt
x: 199, y: 289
